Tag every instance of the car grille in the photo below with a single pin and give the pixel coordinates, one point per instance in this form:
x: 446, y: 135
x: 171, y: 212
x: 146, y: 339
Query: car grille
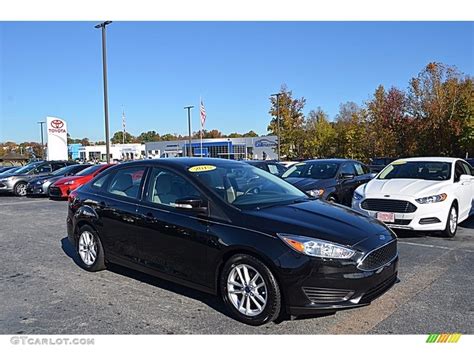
x: 54, y: 191
x: 378, y: 290
x: 379, y: 257
x: 386, y: 205
x: 326, y: 295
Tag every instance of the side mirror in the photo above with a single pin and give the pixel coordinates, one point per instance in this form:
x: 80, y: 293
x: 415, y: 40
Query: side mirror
x: 194, y: 204
x: 345, y: 176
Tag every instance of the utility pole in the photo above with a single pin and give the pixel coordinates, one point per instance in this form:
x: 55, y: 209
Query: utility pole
x: 278, y: 121
x: 41, y: 123
x: 190, y: 149
x: 106, y: 103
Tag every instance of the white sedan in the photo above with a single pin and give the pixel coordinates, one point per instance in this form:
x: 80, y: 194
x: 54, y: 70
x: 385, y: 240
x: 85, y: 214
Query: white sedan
x: 422, y: 194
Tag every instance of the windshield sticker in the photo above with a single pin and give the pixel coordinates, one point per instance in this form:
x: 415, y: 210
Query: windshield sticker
x: 201, y: 168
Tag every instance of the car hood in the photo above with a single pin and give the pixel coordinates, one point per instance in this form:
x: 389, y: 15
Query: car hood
x: 9, y: 175
x: 62, y: 180
x: 404, y: 187
x: 306, y: 184
x: 320, y: 219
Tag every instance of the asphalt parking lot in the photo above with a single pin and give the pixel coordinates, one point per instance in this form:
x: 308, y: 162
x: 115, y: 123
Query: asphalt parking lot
x: 43, y: 291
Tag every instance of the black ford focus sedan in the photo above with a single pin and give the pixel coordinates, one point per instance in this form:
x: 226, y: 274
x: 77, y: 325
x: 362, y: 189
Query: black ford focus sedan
x: 231, y: 229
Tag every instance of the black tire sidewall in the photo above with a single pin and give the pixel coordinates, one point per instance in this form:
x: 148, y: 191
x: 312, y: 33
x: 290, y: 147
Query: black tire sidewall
x: 273, y: 306
x: 99, y: 263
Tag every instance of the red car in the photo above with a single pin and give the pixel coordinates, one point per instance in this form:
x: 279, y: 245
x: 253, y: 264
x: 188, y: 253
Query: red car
x: 62, y: 187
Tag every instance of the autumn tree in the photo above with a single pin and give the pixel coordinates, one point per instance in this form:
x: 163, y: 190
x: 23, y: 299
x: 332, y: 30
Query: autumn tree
x: 440, y: 100
x: 291, y: 123
x: 119, y: 136
x: 319, y: 135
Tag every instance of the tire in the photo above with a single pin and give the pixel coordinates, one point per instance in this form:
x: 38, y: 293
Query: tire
x: 90, y: 250
x: 249, y: 294
x: 451, y: 225
x: 20, y: 189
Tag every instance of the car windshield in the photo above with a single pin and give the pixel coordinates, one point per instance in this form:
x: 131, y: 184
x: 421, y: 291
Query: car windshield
x: 27, y: 168
x: 90, y: 170
x: 247, y: 187
x: 423, y: 170
x: 317, y: 170
x: 64, y: 170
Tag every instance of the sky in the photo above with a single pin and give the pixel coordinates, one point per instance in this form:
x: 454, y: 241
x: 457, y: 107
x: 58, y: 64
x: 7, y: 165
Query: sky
x: 157, y: 68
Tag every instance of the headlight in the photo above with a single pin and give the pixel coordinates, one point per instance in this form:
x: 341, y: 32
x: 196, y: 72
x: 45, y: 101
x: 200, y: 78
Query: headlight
x: 315, y: 193
x: 316, y: 247
x: 432, y: 199
x: 69, y: 182
x: 357, y: 196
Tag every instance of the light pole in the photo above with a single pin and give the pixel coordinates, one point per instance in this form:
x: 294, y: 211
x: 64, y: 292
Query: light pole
x: 106, y: 104
x: 278, y: 121
x: 41, y: 123
x: 190, y: 149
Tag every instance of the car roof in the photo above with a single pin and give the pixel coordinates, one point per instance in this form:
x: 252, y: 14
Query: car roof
x: 434, y: 159
x: 184, y: 163
x: 330, y: 160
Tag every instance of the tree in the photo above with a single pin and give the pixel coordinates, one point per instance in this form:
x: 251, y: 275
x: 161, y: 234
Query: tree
x: 291, y: 123
x: 249, y: 134
x: 440, y: 100
x: 319, y: 135
x: 212, y: 134
x: 149, y: 136
x: 118, y: 138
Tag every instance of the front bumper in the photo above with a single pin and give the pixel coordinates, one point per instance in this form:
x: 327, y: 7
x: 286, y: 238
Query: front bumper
x: 58, y: 192
x: 35, y: 189
x: 329, y: 286
x: 427, y: 217
x: 6, y: 185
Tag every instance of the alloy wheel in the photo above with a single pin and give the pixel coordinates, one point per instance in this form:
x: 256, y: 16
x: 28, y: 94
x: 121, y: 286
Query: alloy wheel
x: 453, y: 220
x: 87, y: 248
x: 21, y: 189
x: 247, y: 290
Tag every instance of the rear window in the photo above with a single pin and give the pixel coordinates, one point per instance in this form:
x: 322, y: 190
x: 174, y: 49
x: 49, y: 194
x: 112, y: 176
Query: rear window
x: 90, y: 170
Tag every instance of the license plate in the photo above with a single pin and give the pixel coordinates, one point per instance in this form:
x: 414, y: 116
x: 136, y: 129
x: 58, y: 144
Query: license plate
x: 386, y: 217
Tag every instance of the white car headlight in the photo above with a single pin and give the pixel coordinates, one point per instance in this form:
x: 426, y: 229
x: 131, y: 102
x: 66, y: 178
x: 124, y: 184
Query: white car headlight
x: 432, y: 199
x: 357, y: 196
x: 315, y: 193
x: 316, y: 247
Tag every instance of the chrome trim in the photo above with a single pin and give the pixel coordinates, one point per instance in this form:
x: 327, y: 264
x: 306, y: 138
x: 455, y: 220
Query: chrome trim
x: 388, y: 262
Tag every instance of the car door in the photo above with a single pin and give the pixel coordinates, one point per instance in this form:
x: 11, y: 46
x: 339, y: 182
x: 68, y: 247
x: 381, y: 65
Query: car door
x: 347, y: 182
x: 171, y: 240
x: 116, y: 206
x: 463, y: 189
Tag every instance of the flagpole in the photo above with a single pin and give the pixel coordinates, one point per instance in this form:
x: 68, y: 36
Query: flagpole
x: 200, y: 105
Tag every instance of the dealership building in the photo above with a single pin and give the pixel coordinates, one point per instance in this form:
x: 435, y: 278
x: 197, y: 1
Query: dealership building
x: 130, y: 151
x: 226, y: 148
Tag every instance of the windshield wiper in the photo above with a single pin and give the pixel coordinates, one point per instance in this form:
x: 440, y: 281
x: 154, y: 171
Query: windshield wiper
x: 284, y: 203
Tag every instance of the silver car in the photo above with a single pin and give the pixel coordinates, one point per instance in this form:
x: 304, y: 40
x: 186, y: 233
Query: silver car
x: 17, y: 181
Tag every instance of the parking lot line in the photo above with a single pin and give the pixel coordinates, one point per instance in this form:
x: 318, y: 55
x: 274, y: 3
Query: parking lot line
x: 433, y: 246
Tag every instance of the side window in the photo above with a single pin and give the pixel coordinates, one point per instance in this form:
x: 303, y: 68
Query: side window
x: 97, y: 184
x: 126, y: 182
x: 46, y: 168
x: 272, y: 168
x: 165, y: 187
x: 458, y: 171
x: 347, y: 168
x: 359, y: 169
x: 56, y: 166
x: 467, y: 169
x: 281, y: 169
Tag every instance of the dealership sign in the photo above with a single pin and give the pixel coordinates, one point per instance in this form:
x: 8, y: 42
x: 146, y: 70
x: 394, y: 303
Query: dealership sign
x: 56, y: 130
x: 261, y: 143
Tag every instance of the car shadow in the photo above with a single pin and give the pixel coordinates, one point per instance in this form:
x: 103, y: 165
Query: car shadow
x: 402, y: 233
x: 210, y: 300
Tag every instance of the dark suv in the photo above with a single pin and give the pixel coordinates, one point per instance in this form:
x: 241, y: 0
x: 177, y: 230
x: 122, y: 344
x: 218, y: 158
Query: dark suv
x: 16, y: 182
x: 330, y: 179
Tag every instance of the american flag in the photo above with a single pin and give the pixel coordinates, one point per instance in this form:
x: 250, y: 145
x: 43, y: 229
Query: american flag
x: 203, y: 113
